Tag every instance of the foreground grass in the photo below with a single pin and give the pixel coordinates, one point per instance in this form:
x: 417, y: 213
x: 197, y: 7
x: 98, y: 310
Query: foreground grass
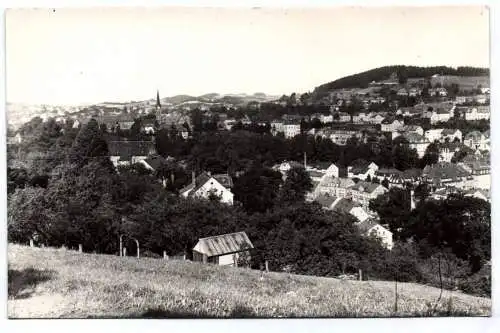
x: 50, y: 283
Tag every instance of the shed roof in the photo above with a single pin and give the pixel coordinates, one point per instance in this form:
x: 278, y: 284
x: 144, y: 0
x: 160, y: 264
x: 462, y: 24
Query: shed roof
x: 223, y: 244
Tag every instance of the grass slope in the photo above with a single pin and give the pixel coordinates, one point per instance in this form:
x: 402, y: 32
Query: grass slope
x: 48, y: 283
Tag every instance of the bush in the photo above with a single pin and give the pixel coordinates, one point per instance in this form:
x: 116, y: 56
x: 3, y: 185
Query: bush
x: 478, y: 284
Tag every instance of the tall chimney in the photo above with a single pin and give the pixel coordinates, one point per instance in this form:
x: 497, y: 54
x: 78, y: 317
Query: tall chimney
x: 412, y: 200
x: 193, y: 178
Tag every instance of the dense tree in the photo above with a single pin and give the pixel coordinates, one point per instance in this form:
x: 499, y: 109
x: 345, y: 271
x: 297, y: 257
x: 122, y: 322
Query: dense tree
x: 296, y: 185
x: 393, y: 208
x: 257, y: 189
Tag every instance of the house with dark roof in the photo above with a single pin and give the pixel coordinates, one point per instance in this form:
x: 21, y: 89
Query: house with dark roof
x: 206, y: 185
x: 362, y: 192
x: 333, y: 186
x: 417, y: 142
x: 476, y: 140
x: 362, y: 170
x: 371, y: 228
x: 224, y: 250
x: 347, y: 206
x: 390, y: 124
x: 445, y: 174
x: 483, y: 194
x: 130, y: 152
x: 326, y: 201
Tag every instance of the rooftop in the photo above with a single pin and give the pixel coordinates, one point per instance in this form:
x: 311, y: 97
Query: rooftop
x: 223, y: 244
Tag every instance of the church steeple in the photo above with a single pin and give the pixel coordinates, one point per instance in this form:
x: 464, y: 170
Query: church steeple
x: 158, y: 104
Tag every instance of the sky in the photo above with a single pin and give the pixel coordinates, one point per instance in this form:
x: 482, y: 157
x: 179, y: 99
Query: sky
x: 91, y: 55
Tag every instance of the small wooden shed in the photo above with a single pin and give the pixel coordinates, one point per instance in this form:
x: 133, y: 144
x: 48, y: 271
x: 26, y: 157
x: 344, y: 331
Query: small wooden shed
x: 223, y: 249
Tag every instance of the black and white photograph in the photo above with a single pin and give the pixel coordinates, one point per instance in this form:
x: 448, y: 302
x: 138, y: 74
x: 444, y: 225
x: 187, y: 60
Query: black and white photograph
x: 235, y: 162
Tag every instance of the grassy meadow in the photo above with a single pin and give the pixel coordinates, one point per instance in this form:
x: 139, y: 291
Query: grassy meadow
x: 56, y: 283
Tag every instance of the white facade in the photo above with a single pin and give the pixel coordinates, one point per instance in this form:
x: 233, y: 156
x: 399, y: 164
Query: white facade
x: 371, y: 170
x: 359, y: 213
x: 396, y: 125
x: 383, y: 234
x: 433, y: 134
x: 477, y: 113
x: 212, y: 186
x: 291, y: 130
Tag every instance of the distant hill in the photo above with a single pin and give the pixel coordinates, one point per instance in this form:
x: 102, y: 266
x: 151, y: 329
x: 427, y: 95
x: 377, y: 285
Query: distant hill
x: 362, y: 80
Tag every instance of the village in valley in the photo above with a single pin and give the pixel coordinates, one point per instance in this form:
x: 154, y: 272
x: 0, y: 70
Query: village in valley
x: 365, y: 196
x: 419, y: 115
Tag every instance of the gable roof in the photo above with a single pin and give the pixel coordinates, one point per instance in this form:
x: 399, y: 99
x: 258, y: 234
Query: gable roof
x: 325, y: 201
x: 344, y: 206
x: 224, y: 179
x: 360, y: 168
x: 155, y: 162
x: 223, y: 244
x: 474, y: 135
x: 365, y: 187
x: 444, y: 170
x: 127, y: 149
x: 449, y: 131
x: 413, y: 137
x: 336, y: 182
x: 368, y: 224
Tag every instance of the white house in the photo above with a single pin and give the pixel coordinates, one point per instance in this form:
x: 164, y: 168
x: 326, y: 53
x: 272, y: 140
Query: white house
x: 340, y: 137
x: 277, y: 126
x: 362, y: 171
x: 441, y: 115
x: 333, y: 186
x: 450, y: 135
x: 224, y: 250
x: 478, y: 112
x: 371, y: 228
x: 363, y: 192
x: 347, y: 206
x: 391, y: 125
x: 325, y: 168
x: 291, y: 129
x: 433, y: 134
x: 476, y: 140
x: 206, y: 185
x: 417, y: 142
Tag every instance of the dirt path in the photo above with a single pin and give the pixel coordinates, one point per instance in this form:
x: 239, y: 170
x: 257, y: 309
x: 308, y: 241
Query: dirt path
x: 37, y: 306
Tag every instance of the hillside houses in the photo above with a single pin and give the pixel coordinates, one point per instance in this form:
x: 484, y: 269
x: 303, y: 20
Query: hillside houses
x: 391, y: 125
x: 342, y: 205
x: 371, y: 228
x: 417, y: 142
x: 362, y: 170
x: 206, y: 185
x: 477, y: 113
x: 400, y: 179
x: 476, y: 140
x: 333, y: 186
x: 443, y: 174
x: 130, y: 152
x: 443, y: 135
x: 362, y: 192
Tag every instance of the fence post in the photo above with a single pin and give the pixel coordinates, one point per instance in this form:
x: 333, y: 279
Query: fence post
x: 267, y: 267
x: 165, y: 255
x: 360, y: 273
x: 31, y: 242
x: 80, y: 248
x: 124, y: 251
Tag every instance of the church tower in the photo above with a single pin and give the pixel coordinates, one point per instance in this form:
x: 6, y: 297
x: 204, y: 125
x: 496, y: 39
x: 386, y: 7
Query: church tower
x: 158, y: 106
